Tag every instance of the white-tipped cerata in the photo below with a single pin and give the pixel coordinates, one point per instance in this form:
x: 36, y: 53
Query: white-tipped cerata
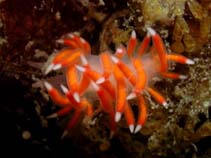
x: 190, y: 62
x: 70, y: 35
x: 100, y: 80
x: 64, y: 89
x: 182, y: 77
x: 57, y: 66
x: 76, y: 96
x: 119, y: 51
x: 131, y: 128
x: 83, y: 59
x: 118, y: 116
x: 60, y: 41
x: 114, y: 59
x: 137, y: 129
x: 80, y: 68
x: 48, y: 86
x: 148, y: 34
x: 82, y: 40
x: 48, y: 69
x: 131, y: 96
x: 151, y: 31
x: 95, y: 86
x: 133, y: 34
x: 165, y: 104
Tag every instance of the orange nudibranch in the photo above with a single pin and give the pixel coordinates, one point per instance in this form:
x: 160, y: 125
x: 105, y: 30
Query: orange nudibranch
x: 114, y: 78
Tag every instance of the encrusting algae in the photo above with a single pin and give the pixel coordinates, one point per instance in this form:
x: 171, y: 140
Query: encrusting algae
x: 190, y: 20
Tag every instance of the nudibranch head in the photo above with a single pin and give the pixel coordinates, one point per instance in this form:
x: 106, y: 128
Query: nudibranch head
x: 113, y: 78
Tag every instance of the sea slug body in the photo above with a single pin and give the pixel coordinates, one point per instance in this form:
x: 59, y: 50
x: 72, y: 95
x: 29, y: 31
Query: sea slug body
x: 114, y: 78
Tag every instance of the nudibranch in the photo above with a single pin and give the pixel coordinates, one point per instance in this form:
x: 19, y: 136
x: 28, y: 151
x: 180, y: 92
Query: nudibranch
x: 113, y: 78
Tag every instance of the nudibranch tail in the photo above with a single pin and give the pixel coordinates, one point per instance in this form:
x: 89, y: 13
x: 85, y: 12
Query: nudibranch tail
x: 113, y: 78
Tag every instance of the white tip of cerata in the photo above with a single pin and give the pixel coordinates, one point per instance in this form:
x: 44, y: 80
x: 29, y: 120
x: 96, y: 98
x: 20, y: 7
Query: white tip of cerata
x: 76, y: 96
x: 137, y: 129
x: 82, y: 40
x: 114, y: 59
x: 48, y: 86
x: 118, y: 116
x: 100, y: 80
x: 190, y: 62
x: 151, y: 31
x: 64, y: 89
x: 83, y: 59
x: 131, y: 96
x: 70, y: 35
x: 133, y: 34
x: 182, y: 77
x: 131, y: 128
x: 60, y: 41
x: 80, y: 68
x: 95, y: 86
x: 49, y: 68
x: 119, y: 50
x: 165, y: 104
x: 57, y: 67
